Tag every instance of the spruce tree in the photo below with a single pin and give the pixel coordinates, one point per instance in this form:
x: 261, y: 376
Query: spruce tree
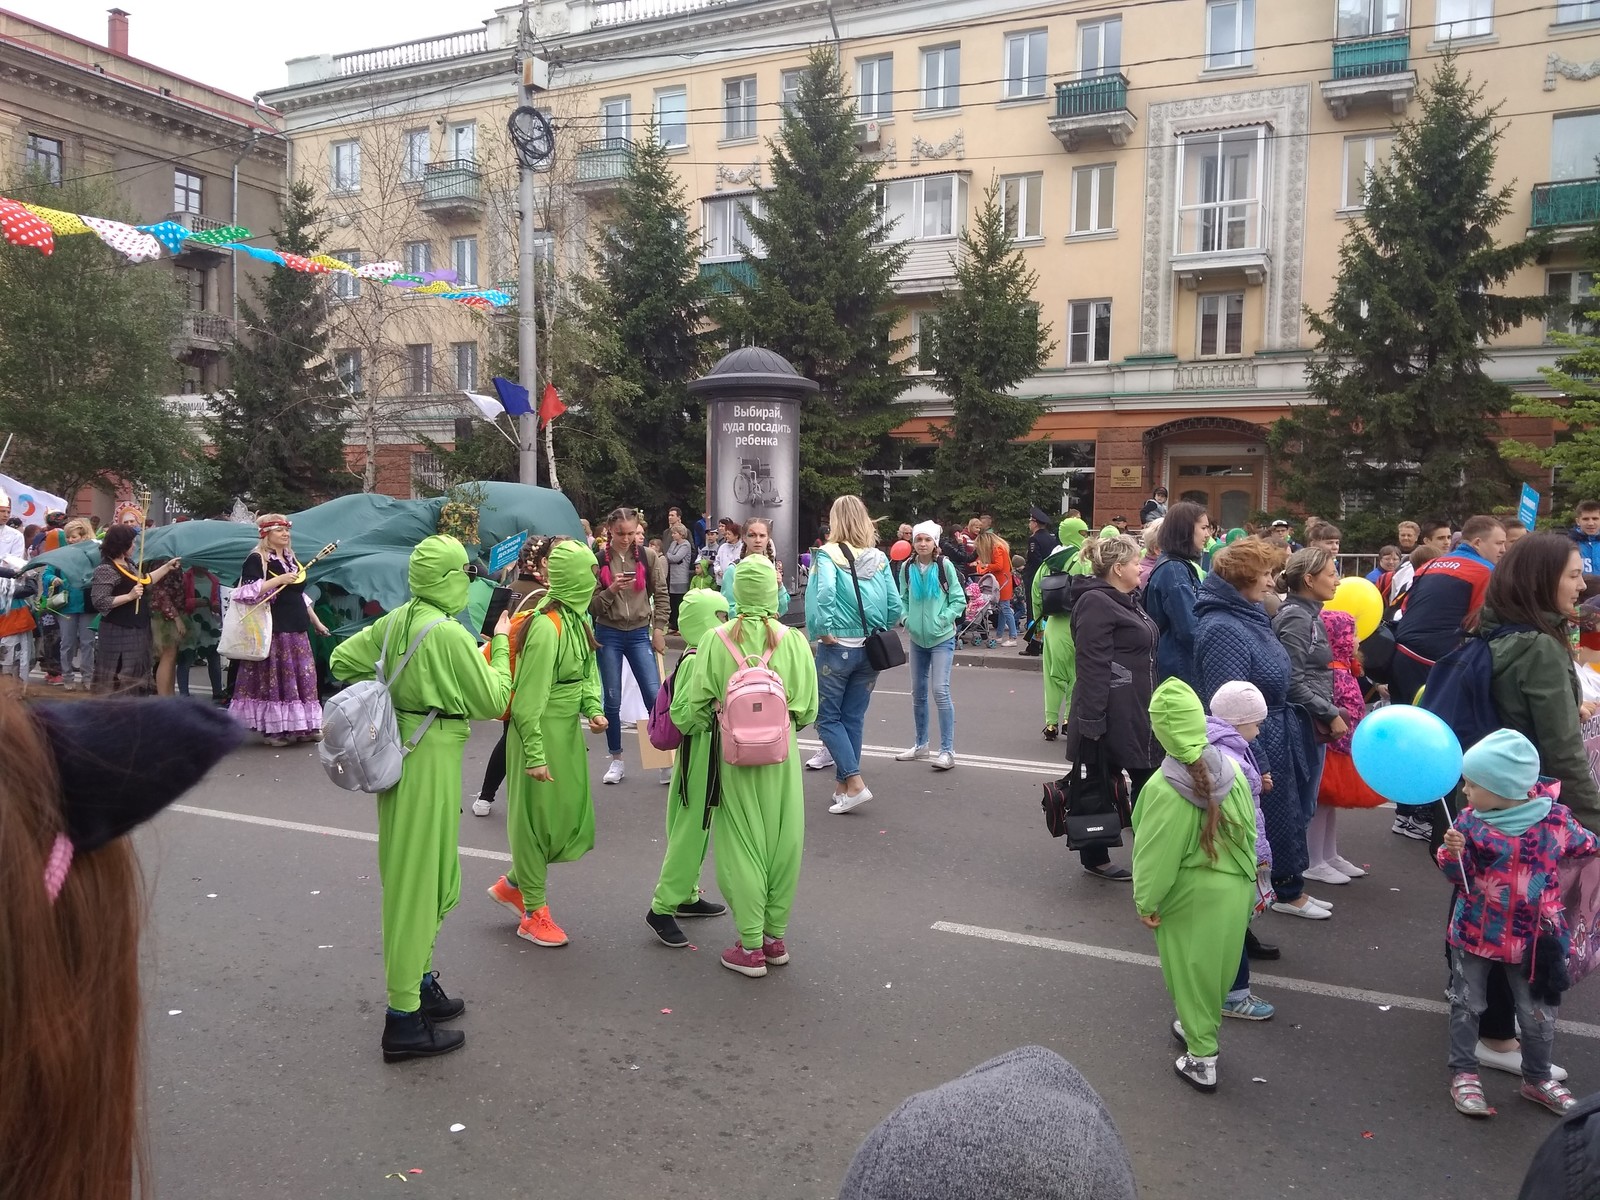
x: 823, y: 295
x: 983, y: 340
x: 278, y: 432
x: 1406, y: 417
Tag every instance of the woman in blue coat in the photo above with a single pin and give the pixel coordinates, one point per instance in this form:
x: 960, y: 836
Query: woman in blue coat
x: 1170, y: 592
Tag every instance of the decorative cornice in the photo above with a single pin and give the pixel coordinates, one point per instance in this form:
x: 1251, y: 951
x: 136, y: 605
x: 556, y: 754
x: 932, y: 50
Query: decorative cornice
x: 400, y: 82
x: 955, y: 144
x: 739, y: 177
x: 1577, y: 72
x: 885, y: 154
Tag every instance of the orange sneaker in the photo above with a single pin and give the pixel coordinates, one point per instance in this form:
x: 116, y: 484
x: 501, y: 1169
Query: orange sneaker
x: 503, y: 894
x: 539, y: 929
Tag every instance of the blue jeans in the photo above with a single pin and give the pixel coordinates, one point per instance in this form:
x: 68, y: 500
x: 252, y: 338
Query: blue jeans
x: 615, y: 645
x: 935, y: 660
x: 844, y: 689
x: 1006, y: 622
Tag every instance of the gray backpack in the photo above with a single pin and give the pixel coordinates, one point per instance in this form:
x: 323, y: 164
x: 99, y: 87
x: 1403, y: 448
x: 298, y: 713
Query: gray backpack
x: 361, y: 748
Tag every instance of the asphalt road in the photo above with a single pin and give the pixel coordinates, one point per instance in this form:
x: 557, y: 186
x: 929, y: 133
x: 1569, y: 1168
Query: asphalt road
x: 265, y: 1002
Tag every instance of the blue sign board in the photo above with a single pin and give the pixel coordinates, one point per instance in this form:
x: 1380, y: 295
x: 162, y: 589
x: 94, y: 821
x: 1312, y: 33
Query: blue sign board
x: 503, y: 554
x: 1528, y: 507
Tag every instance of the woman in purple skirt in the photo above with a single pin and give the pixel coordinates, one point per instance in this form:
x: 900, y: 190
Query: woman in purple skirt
x: 278, y: 695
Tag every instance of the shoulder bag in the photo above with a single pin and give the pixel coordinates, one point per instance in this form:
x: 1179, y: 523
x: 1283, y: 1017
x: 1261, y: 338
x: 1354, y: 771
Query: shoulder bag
x: 883, y: 646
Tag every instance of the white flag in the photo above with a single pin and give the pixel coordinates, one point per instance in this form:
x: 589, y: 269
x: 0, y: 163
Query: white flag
x: 488, y: 407
x: 30, y: 503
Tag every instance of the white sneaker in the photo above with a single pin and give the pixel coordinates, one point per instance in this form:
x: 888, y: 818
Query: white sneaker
x: 943, y: 761
x: 1343, y: 865
x: 666, y: 774
x: 1326, y: 873
x: 1009, y: 642
x: 1510, y: 1061
x: 913, y: 754
x: 480, y: 806
x: 629, y: 725
x: 614, y: 772
x: 843, y: 802
x: 1200, y: 1073
x: 820, y: 761
x: 1308, y: 910
x: 1310, y: 899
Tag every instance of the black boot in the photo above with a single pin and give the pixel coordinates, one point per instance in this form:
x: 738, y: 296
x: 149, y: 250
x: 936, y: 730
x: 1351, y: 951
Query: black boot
x: 412, y: 1035
x: 436, y: 1005
x: 1255, y: 948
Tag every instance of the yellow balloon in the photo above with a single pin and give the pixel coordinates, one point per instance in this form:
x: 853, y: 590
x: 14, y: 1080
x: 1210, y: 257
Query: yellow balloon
x: 1361, y: 600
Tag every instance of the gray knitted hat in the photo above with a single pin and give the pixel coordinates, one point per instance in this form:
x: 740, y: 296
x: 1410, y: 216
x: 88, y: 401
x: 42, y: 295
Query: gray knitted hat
x: 1024, y: 1126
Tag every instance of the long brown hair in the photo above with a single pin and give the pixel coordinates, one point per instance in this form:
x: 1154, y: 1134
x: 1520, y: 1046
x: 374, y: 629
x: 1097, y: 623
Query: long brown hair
x: 772, y: 625
x: 69, y: 994
x: 1201, y: 778
x: 1522, y: 590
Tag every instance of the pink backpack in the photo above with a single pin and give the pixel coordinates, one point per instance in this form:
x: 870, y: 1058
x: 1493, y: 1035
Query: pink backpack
x: 754, y: 717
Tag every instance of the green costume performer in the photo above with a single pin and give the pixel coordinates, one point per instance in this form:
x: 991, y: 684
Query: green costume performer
x: 760, y: 816
x: 1203, y: 902
x: 558, y: 680
x: 418, y: 819
x: 1060, y: 656
x: 688, y: 825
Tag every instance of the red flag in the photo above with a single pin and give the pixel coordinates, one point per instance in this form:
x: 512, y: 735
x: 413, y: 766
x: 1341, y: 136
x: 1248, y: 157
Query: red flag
x: 550, y: 405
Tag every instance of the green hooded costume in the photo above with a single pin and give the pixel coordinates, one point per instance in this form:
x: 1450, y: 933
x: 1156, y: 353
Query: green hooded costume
x: 1204, y: 903
x: 760, y: 816
x: 688, y: 832
x: 558, y: 681
x: 419, y: 818
x: 1060, y: 656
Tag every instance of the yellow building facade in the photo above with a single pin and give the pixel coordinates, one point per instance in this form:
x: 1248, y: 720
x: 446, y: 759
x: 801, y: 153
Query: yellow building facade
x: 1179, y: 173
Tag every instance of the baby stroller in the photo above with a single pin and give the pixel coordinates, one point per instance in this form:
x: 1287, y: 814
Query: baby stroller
x: 977, y: 623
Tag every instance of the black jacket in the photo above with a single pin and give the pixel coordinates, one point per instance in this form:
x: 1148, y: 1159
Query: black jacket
x: 1040, y: 546
x: 1115, y: 643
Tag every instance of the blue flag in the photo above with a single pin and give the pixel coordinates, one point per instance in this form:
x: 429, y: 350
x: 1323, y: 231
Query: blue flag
x: 514, y: 396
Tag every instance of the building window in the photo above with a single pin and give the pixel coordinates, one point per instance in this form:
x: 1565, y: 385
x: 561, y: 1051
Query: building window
x: 346, y: 286
x: 616, y: 119
x: 1464, y: 19
x: 875, y: 88
x: 1577, y: 10
x: 1025, y: 64
x: 347, y: 368
x: 789, y: 89
x: 1363, y: 156
x: 1219, y: 190
x: 1022, y: 201
x: 1099, y: 47
x: 466, y: 362
x: 192, y: 283
x: 1093, y: 190
x: 42, y: 155
x: 464, y: 256
x: 414, y: 143
x: 672, y: 117
x: 1574, y: 146
x: 727, y: 229
x: 1088, y: 331
x: 914, y: 357
x: 739, y: 108
x: 1573, y: 291
x: 427, y: 475
x: 463, y: 142
x: 941, y: 77
x: 417, y: 258
x: 932, y: 207
x: 1221, y: 324
x: 186, y: 192
x: 419, y: 369
x: 346, y: 166
x: 1230, y: 33
x: 1368, y: 18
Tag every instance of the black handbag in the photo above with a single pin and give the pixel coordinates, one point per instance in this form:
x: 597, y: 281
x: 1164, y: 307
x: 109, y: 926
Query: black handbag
x: 883, y: 646
x: 1097, y: 802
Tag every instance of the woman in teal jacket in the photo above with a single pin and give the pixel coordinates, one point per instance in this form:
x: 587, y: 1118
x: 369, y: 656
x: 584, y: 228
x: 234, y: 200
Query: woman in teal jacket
x: 931, y: 593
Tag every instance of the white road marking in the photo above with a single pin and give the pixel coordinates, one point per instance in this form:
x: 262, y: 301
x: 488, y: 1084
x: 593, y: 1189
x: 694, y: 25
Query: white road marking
x: 358, y: 835
x: 1258, y: 982
x: 888, y: 692
x: 1023, y: 766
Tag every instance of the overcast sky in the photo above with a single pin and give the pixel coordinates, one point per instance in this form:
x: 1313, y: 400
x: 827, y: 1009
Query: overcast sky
x: 241, y: 48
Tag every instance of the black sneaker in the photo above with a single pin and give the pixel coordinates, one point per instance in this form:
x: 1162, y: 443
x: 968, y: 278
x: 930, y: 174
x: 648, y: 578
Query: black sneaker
x: 1257, y: 949
x: 412, y: 1035
x: 436, y: 1005
x: 1114, y: 874
x: 701, y: 907
x: 667, y: 930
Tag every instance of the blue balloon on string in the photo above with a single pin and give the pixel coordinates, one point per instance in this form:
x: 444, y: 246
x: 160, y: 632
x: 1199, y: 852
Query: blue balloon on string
x: 1406, y: 754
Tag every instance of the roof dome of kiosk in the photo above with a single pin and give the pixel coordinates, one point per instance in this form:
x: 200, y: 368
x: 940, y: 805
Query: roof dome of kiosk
x: 753, y: 370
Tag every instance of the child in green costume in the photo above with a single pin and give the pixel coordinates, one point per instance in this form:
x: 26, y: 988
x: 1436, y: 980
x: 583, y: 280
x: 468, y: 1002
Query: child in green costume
x: 1194, y: 870
x: 550, y: 813
x: 760, y: 816
x: 417, y: 831
x: 688, y: 818
x: 1060, y: 668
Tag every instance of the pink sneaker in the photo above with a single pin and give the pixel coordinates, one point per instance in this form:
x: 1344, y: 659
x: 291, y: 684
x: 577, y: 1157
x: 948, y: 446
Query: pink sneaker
x: 774, y: 951
x: 747, y: 962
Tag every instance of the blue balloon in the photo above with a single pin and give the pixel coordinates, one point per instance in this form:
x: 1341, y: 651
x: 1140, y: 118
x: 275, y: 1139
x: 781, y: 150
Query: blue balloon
x: 1406, y: 754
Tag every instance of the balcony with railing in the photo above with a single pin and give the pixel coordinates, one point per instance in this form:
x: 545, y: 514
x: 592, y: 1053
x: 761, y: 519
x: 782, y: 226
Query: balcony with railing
x: 1229, y: 375
x: 452, y: 188
x: 722, y: 275
x: 929, y: 268
x: 411, y: 54
x: 203, y: 331
x: 1094, y: 107
x: 625, y: 12
x: 602, y: 165
x: 1370, y: 70
x: 1566, y: 203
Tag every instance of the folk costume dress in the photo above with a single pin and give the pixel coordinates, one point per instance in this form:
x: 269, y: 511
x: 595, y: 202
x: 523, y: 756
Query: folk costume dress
x: 1060, y: 653
x: 760, y: 816
x: 688, y: 830
x: 122, y: 657
x: 1204, y: 903
x: 277, y: 696
x: 419, y: 818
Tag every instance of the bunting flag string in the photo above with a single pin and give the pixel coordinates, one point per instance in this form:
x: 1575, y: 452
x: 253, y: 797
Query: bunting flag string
x: 36, y: 226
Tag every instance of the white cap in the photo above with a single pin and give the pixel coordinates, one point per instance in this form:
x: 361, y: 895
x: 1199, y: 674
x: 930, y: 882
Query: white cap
x: 928, y: 528
x: 1239, y: 703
